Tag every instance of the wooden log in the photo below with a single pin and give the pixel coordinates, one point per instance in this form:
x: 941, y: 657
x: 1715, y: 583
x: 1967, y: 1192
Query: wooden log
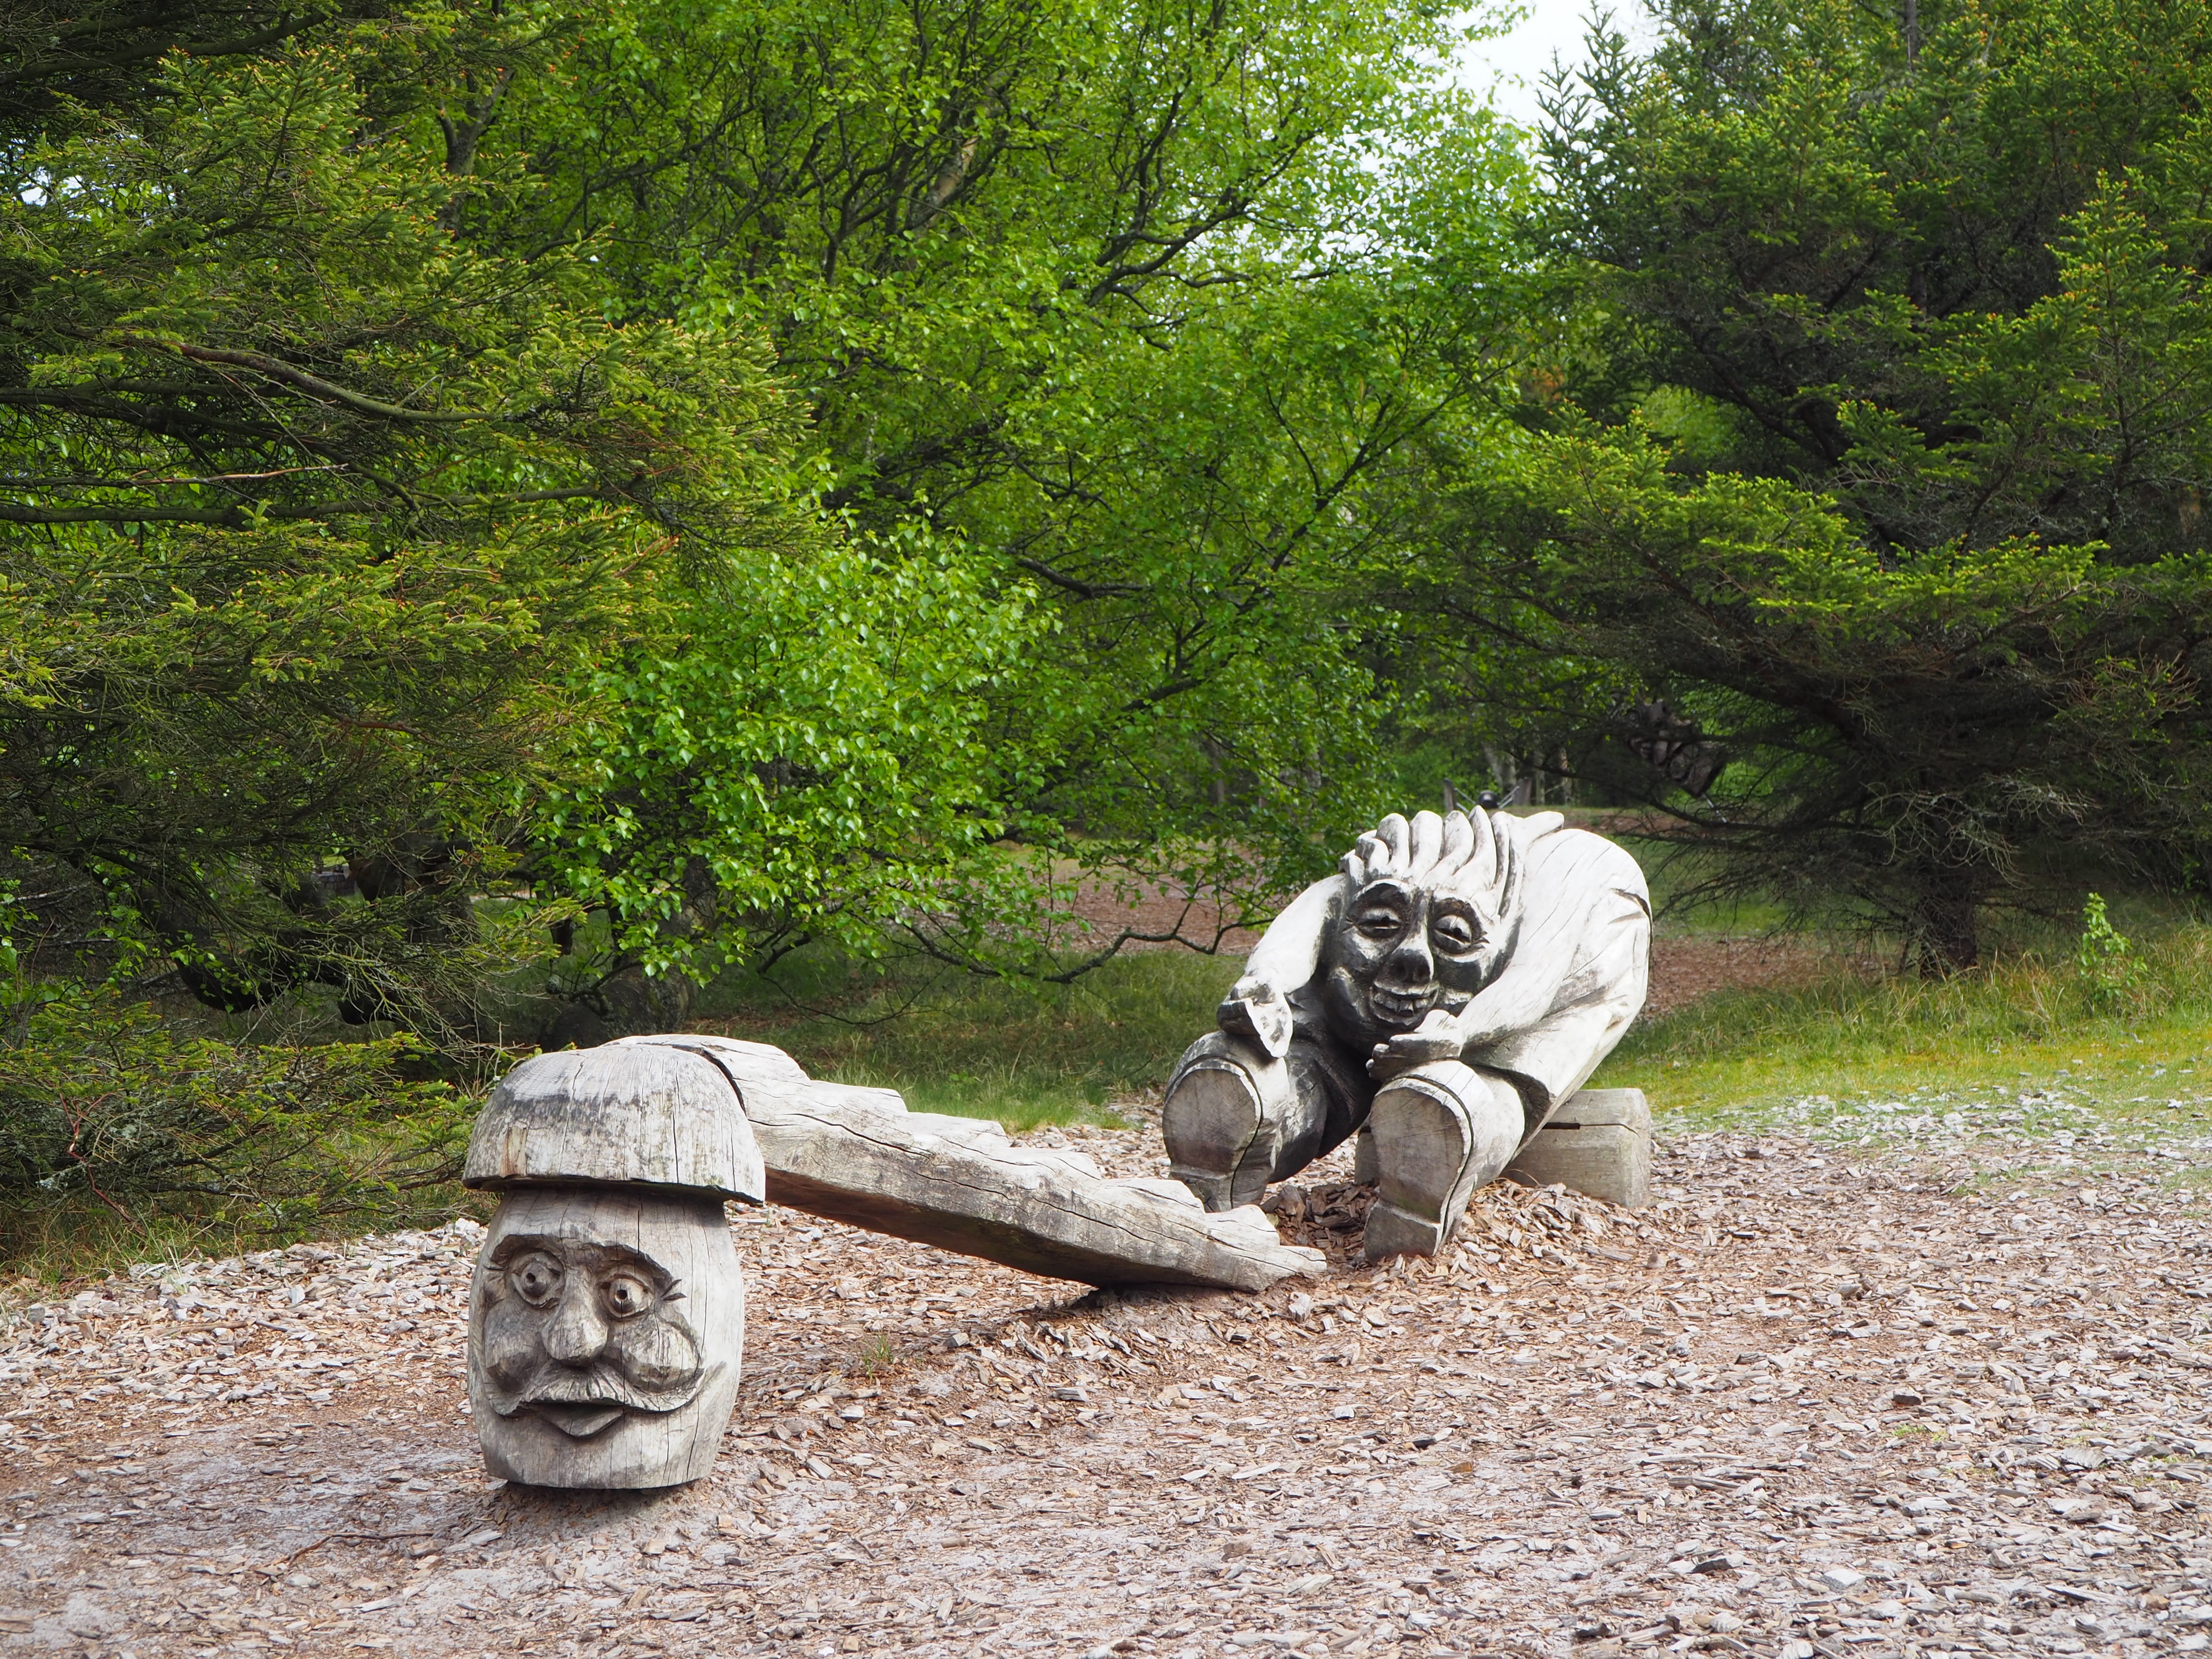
x: 1598, y: 1142
x: 606, y: 1328
x: 858, y: 1155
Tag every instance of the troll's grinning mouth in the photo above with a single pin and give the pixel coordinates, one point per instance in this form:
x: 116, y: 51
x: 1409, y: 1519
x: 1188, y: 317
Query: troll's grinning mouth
x: 1400, y: 1008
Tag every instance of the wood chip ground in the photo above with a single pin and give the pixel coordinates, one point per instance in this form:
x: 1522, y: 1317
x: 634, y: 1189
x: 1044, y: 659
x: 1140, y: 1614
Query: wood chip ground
x: 1835, y: 1393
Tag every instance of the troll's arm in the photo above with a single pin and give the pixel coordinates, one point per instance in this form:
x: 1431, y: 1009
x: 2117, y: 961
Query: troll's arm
x: 1257, y: 1008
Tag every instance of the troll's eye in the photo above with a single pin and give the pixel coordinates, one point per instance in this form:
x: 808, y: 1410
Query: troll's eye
x: 535, y: 1277
x: 626, y: 1295
x: 1454, y: 933
x: 1378, y: 921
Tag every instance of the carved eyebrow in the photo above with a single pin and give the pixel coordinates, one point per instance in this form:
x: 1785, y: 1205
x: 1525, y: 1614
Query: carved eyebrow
x: 1385, y: 891
x: 603, y: 1254
x: 515, y: 1243
x: 612, y: 1256
x: 1458, y: 904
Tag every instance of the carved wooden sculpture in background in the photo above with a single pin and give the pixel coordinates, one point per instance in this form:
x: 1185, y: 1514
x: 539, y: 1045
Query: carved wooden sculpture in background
x: 1441, y: 997
x: 607, y: 1317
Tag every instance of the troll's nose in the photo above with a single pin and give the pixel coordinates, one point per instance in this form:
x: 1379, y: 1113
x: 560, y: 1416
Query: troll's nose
x: 577, y: 1333
x: 1410, y: 963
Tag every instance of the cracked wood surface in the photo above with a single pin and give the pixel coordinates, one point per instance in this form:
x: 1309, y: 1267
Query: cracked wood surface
x: 858, y: 1155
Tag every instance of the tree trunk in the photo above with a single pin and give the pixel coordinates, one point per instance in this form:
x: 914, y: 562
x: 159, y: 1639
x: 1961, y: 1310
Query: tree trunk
x: 1945, y: 925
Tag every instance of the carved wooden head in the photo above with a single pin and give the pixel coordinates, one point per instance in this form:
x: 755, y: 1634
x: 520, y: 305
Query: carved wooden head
x: 606, y: 1332
x: 1430, y: 908
x: 581, y: 1331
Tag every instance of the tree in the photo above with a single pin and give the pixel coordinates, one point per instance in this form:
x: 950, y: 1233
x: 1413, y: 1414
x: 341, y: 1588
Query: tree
x: 1113, y: 307
x: 320, y: 522
x: 1881, y: 466
x: 57, y: 60
x: 418, y: 539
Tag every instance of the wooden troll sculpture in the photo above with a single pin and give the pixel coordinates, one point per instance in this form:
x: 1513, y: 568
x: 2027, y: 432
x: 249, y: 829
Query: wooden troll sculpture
x: 1441, y: 998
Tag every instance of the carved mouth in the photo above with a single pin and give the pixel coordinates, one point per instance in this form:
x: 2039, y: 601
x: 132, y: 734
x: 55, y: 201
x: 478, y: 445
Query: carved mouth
x: 579, y: 1420
x: 1406, y: 1008
x: 582, y: 1401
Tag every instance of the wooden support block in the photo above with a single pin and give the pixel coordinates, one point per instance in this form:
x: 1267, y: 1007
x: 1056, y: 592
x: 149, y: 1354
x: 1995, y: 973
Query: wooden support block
x: 1598, y: 1142
x: 858, y: 1155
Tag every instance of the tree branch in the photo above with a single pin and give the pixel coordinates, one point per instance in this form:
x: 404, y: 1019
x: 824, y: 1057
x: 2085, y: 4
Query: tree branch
x: 238, y: 516
x: 314, y: 384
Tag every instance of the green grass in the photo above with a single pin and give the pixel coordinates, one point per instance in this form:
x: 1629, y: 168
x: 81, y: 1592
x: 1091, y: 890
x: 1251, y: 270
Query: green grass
x: 2025, y: 1051
x: 1030, y: 1056
x: 2029, y: 1024
x: 1024, y: 1055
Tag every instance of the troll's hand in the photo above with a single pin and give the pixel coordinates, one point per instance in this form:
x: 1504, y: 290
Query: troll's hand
x: 1437, y: 1037
x: 1256, y: 1012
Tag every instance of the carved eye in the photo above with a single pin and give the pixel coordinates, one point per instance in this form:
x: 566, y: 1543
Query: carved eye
x: 1454, y: 933
x: 626, y: 1295
x: 1377, y: 922
x: 535, y: 1277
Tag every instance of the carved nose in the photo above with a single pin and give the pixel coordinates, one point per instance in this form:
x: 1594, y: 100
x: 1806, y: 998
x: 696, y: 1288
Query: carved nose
x: 1411, y: 962
x: 576, y: 1334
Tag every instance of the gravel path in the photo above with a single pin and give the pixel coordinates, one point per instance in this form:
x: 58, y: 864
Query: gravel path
x: 1879, y: 1398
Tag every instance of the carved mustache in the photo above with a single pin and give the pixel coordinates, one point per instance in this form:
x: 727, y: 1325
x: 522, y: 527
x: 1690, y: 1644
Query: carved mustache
x: 652, y: 1364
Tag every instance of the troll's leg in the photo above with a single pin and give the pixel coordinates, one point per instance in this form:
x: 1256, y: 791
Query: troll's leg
x: 1235, y: 1118
x: 1440, y: 1131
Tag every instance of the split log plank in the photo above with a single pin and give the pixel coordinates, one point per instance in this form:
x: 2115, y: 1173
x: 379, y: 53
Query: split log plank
x: 858, y: 1155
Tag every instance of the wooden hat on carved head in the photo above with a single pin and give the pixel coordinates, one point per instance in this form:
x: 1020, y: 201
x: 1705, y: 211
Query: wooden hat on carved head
x: 607, y: 1314
x: 629, y: 1114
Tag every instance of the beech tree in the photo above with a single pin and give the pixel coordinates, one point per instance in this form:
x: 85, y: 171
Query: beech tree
x: 336, y: 542
x: 748, y: 474
x: 1132, y: 310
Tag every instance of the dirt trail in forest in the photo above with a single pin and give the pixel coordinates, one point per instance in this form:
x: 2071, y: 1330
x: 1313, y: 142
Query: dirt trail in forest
x: 1813, y: 1402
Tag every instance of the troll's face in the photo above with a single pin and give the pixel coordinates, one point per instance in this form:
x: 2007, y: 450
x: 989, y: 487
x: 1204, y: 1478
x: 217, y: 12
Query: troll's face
x: 1428, y: 920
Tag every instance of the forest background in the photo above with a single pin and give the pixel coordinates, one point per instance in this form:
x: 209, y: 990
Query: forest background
x: 523, y: 521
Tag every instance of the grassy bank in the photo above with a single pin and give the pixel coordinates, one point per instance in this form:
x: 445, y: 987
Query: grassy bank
x: 2032, y: 1030
x: 1024, y: 1055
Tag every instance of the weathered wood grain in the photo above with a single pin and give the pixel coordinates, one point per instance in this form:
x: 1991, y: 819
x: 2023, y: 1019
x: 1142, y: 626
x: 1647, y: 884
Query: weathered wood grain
x: 593, y: 1383
x: 1598, y: 1142
x: 654, y: 1118
x: 858, y: 1155
x: 1439, y: 1131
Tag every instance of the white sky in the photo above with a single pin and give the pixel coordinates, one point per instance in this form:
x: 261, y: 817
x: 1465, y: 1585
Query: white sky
x: 1518, y: 61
